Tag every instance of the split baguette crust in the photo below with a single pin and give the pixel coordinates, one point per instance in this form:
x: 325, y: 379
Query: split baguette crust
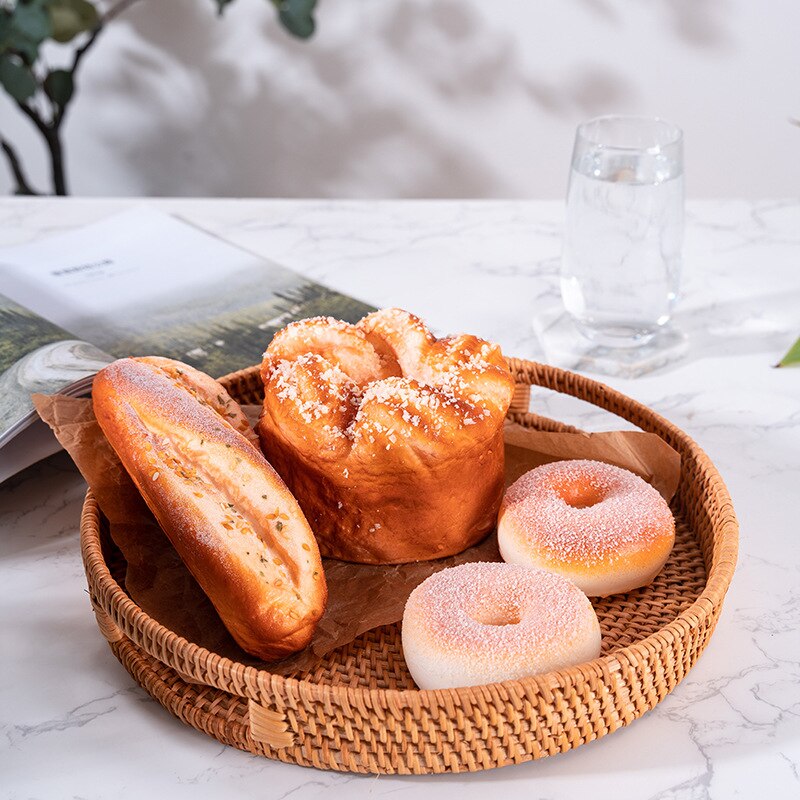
x: 189, y: 449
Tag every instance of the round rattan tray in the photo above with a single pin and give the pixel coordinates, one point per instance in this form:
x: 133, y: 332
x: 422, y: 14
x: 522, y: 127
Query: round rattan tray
x: 358, y: 709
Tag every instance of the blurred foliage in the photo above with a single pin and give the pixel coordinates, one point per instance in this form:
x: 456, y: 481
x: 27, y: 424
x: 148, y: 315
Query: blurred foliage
x: 792, y: 357
x: 43, y: 94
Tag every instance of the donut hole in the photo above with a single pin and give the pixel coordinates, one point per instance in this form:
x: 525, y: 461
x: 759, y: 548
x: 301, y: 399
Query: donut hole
x: 497, y: 616
x: 581, y: 496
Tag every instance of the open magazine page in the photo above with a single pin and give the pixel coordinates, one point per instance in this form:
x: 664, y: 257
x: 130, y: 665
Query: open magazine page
x: 143, y: 282
x: 138, y: 283
x: 38, y: 356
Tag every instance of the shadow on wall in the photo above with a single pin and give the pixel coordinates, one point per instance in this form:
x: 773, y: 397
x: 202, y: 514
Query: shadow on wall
x: 372, y: 106
x: 291, y: 118
x: 697, y: 24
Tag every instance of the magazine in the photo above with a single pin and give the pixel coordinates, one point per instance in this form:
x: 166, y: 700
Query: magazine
x: 141, y: 282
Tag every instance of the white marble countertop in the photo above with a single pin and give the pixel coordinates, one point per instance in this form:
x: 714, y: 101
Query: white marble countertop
x: 74, y: 724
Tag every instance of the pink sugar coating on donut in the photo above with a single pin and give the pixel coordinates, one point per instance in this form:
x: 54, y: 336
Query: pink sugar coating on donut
x: 630, y: 512
x: 450, y: 605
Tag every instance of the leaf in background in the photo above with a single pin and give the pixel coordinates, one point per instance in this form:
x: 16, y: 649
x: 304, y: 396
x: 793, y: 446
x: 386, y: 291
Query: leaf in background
x: 5, y: 29
x: 68, y: 18
x: 16, y: 79
x: 28, y: 27
x: 221, y: 5
x: 792, y: 357
x: 297, y: 16
x: 58, y: 86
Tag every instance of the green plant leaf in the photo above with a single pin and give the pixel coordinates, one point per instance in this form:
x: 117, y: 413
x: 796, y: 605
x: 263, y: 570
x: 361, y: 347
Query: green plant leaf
x: 221, y: 5
x: 68, y: 18
x: 58, y: 86
x: 30, y: 22
x: 5, y: 29
x: 792, y: 357
x: 26, y: 26
x: 30, y: 19
x: 297, y: 16
x: 16, y: 79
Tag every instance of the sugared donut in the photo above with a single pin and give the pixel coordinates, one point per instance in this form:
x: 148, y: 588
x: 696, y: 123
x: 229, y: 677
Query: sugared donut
x: 487, y: 622
x: 599, y: 525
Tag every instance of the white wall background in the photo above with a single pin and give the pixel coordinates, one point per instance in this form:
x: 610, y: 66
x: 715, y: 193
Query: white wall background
x: 416, y: 98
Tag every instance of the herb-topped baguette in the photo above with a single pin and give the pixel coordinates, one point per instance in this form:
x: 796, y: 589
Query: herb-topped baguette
x: 189, y: 449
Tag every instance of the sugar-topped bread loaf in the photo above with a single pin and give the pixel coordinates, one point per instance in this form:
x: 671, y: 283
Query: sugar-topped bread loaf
x: 390, y: 439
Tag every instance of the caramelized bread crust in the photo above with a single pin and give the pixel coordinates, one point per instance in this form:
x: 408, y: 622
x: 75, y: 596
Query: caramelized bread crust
x: 390, y: 439
x: 189, y: 449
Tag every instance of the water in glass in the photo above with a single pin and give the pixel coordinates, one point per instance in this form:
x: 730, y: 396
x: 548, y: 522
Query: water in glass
x: 622, y: 252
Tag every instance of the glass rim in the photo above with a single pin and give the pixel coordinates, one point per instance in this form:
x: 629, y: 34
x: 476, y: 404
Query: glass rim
x: 675, y: 133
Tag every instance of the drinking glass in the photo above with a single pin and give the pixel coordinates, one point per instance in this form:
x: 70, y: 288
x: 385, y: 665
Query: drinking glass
x: 621, y: 260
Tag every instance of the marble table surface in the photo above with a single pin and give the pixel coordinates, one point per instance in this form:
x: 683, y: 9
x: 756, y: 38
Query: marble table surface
x: 74, y: 723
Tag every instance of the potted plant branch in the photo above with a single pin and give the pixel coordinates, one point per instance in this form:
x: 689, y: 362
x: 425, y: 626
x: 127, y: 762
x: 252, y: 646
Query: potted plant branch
x: 44, y: 94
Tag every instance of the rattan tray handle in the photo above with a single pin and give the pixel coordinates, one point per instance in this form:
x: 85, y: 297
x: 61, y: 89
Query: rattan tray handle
x: 269, y: 726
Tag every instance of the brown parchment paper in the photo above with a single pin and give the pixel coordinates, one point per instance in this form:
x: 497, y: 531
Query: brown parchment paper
x: 360, y: 597
x: 646, y: 454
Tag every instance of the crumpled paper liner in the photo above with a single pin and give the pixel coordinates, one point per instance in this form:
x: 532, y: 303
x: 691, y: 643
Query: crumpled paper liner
x: 646, y: 454
x: 360, y: 597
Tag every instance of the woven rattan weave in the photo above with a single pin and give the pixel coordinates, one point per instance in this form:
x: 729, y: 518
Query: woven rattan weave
x: 358, y: 710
